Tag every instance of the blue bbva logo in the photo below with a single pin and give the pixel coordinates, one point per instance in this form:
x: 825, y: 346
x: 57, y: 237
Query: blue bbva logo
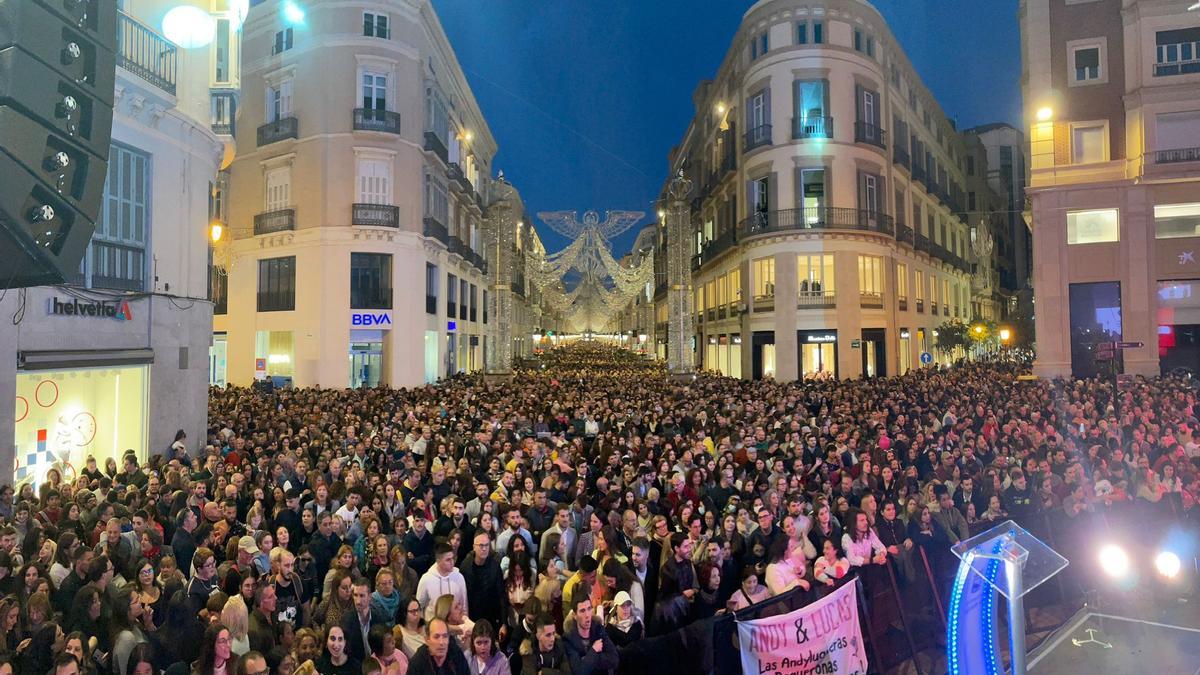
x: 370, y: 319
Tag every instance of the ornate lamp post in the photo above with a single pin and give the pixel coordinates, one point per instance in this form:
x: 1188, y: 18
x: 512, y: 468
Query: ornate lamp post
x: 680, y: 359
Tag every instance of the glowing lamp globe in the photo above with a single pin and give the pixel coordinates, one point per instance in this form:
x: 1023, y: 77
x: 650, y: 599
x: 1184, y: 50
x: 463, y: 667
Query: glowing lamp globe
x: 1168, y: 564
x: 189, y: 27
x: 1114, y: 561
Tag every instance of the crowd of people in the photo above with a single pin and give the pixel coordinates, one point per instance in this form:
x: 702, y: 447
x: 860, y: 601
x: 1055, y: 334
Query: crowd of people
x: 544, y: 524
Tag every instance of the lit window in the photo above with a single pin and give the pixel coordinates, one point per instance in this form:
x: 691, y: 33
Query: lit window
x: 1093, y: 227
x: 1088, y: 143
x: 1172, y: 221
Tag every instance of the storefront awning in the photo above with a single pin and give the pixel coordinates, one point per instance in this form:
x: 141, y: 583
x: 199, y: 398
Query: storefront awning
x: 83, y: 358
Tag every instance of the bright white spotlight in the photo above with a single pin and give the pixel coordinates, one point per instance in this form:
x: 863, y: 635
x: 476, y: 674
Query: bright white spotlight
x: 189, y: 27
x: 293, y: 13
x: 1114, y: 561
x: 1168, y: 564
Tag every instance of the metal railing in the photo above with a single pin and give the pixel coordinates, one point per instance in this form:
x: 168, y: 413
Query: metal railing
x: 812, y: 127
x: 224, y: 111
x: 816, y: 218
x: 918, y: 171
x: 273, y: 132
x: 434, y: 144
x: 1177, y: 155
x: 868, y: 299
x: 865, y: 132
x: 902, y: 303
x: 1177, y: 67
x: 145, y: 53
x: 713, y: 248
x: 757, y: 137
x: 457, y: 246
x: 815, y: 299
x: 900, y: 156
x: 920, y: 306
x: 432, y: 227
x: 904, y: 234
x: 457, y: 175
x: 922, y: 243
x: 281, y: 220
x: 370, y: 119
x: 375, y: 215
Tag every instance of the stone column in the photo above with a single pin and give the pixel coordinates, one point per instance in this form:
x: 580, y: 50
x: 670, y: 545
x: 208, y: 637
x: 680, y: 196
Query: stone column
x: 500, y: 241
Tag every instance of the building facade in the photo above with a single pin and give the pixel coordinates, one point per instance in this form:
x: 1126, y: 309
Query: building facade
x: 1007, y: 176
x: 1112, y: 95
x: 115, y: 359
x: 358, y: 199
x: 829, y: 205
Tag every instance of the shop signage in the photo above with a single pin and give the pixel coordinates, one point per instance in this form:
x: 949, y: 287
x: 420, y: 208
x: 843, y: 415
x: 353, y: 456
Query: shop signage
x: 451, y: 325
x: 370, y: 319
x: 827, y: 337
x: 95, y: 309
x: 855, y: 344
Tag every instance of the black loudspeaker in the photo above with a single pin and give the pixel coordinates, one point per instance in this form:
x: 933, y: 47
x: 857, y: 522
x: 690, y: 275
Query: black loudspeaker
x: 57, y: 69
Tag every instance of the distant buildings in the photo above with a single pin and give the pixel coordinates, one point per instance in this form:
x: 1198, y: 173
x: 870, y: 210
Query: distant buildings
x: 1112, y: 96
x: 832, y: 203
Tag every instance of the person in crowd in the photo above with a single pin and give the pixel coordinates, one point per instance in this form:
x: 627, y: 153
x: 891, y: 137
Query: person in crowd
x: 392, y: 660
x: 335, y: 659
x: 485, y: 657
x: 545, y: 652
x: 440, y: 655
x: 442, y: 578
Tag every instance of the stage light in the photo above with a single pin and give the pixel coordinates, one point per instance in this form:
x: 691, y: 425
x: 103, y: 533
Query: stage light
x: 1168, y: 564
x: 1114, y: 561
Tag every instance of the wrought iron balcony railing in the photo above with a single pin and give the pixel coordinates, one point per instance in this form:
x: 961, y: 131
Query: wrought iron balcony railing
x: 273, y: 132
x: 280, y: 220
x: 370, y: 119
x: 812, y: 127
x: 757, y: 137
x: 865, y: 132
x: 375, y: 215
x: 145, y: 53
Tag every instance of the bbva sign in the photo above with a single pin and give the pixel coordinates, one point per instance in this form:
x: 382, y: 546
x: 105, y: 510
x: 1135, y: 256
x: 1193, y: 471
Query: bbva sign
x: 371, y: 319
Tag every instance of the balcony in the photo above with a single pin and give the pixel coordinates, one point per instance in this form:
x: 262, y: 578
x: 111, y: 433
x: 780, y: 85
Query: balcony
x: 713, y: 248
x: 1168, y: 68
x: 900, y: 156
x: 370, y: 119
x: 902, y: 303
x: 455, y: 173
x: 904, y: 234
x: 224, y: 111
x: 920, y: 306
x: 145, y: 53
x: 275, y: 221
x: 434, y: 229
x: 827, y: 218
x: 865, y: 132
x: 477, y: 261
x: 273, y: 132
x: 815, y: 299
x: 375, y: 215
x: 922, y: 243
x: 918, y: 172
x: 457, y: 247
x: 1177, y: 155
x: 812, y: 127
x: 757, y: 137
x: 870, y: 300
x: 434, y: 144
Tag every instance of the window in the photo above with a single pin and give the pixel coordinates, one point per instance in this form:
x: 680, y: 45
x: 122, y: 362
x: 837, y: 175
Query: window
x: 734, y: 278
x: 759, y: 108
x: 474, y: 298
x: 901, y: 211
x: 902, y: 281
x: 971, y: 164
x: 818, y: 32
x: 278, y: 190
x: 810, y: 100
x: 760, y: 191
x: 279, y: 100
x: 437, y: 203
x: 1177, y: 52
x: 919, y: 288
x: 858, y: 40
x: 283, y: 41
x: 451, y: 296
x: 971, y: 201
x: 218, y: 287
x: 116, y: 256
x: 870, y: 192
x: 374, y: 91
x: 221, y: 55
x: 277, y: 284
x: 1086, y: 64
x: 870, y: 275
x: 1093, y: 227
x: 870, y: 46
x: 374, y: 181
x: 1176, y: 220
x: 462, y: 298
x: 485, y: 306
x: 431, y: 289
x: 759, y: 44
x: 812, y: 186
x: 370, y: 281
x: 1089, y: 142
x: 815, y: 275
x: 763, y: 273
x: 375, y: 25
x: 933, y: 289
x: 1177, y: 130
x: 802, y: 33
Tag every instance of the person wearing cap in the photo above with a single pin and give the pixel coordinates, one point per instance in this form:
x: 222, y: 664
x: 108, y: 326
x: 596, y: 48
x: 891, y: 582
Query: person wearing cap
x: 623, y: 625
x: 247, y: 552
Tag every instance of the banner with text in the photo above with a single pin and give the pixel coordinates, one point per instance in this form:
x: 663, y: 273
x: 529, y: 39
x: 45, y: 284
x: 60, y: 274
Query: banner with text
x: 820, y: 639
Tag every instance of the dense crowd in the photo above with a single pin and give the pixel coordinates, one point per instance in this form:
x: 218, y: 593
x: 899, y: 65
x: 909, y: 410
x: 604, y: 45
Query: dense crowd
x: 544, y: 524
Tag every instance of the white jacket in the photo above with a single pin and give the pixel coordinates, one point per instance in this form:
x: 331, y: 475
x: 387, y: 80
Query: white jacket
x: 433, y: 586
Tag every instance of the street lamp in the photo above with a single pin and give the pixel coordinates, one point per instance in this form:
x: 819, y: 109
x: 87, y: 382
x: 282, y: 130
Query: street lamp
x: 215, y: 231
x: 1005, y: 335
x: 978, y: 329
x: 1045, y: 113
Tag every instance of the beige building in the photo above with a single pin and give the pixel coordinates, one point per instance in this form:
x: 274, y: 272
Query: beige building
x: 1112, y: 96
x: 829, y: 201
x: 357, y: 200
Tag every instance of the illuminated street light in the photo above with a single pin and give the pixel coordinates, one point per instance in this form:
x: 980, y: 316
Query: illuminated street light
x: 1045, y: 113
x: 215, y: 231
x: 1005, y: 334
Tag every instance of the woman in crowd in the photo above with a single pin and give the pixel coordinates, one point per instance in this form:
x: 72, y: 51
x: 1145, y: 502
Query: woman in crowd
x: 336, y: 660
x: 409, y: 631
x: 485, y: 657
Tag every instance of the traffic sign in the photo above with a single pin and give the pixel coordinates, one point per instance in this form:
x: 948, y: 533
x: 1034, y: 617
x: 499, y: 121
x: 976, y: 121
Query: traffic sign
x: 926, y: 358
x: 1130, y: 345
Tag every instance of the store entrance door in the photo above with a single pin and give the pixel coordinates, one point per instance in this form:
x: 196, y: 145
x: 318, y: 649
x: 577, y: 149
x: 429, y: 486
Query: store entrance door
x: 874, y: 352
x: 366, y: 364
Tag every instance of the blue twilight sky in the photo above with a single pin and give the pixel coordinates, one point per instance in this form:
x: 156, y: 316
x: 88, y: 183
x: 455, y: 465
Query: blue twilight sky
x: 587, y: 97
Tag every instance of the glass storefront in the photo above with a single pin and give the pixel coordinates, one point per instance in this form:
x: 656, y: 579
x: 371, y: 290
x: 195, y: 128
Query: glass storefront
x: 905, y: 351
x: 277, y: 348
x: 62, y: 416
x: 366, y: 364
x: 1179, y: 325
x: 1095, y: 317
x: 217, y: 360
x: 431, y: 356
x: 818, y: 354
